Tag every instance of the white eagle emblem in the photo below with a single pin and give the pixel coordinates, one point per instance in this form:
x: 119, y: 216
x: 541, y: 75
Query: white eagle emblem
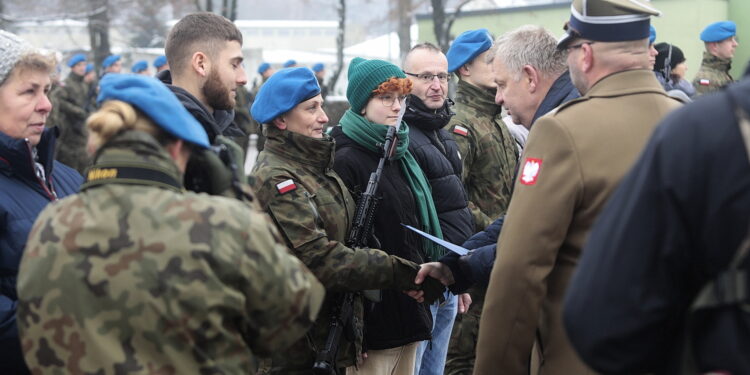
x: 530, y: 171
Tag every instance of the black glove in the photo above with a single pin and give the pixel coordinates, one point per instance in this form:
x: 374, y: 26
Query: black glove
x: 433, y: 290
x: 404, y: 273
x: 206, y: 173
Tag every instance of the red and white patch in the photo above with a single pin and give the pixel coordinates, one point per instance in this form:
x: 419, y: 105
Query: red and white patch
x: 530, y: 172
x: 704, y: 82
x: 286, y: 186
x: 460, y: 130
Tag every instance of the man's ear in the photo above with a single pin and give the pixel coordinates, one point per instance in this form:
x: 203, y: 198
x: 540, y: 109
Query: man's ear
x: 200, y: 63
x: 531, y: 75
x: 587, y: 55
x: 280, y: 122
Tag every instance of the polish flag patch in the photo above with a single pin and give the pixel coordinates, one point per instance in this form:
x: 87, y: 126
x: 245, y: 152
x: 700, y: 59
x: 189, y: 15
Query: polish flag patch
x: 286, y: 186
x: 704, y: 82
x: 460, y: 130
x: 530, y: 171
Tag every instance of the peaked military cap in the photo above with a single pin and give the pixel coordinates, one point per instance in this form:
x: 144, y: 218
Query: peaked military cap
x: 155, y: 100
x: 75, y: 59
x: 111, y: 59
x: 608, y: 21
x: 282, y: 92
x: 466, y: 47
x: 718, y: 31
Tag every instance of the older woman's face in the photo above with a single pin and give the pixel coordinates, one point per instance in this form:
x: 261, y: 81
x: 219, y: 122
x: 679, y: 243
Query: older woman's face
x: 306, y: 118
x: 24, y: 105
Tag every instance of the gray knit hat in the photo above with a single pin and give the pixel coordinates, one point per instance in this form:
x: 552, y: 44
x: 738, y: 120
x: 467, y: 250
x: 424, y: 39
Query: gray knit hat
x: 12, y: 48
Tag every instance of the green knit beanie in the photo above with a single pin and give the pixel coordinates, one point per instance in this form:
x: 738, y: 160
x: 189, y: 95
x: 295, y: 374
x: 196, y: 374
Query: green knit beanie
x: 365, y: 76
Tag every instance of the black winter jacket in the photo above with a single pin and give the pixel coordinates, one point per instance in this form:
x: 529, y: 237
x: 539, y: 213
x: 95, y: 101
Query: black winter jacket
x: 437, y: 153
x: 397, y: 320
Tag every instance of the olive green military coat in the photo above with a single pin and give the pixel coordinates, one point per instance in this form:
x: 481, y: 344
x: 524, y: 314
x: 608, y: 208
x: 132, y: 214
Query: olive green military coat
x: 574, y: 159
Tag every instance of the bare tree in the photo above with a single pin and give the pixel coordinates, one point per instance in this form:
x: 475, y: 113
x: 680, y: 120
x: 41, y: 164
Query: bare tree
x: 228, y: 8
x: 99, y: 30
x: 405, y: 15
x: 341, y: 8
x: 443, y: 22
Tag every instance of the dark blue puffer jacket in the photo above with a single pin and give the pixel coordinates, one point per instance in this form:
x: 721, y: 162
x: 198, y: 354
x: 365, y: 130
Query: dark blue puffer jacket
x: 437, y: 154
x: 22, y: 198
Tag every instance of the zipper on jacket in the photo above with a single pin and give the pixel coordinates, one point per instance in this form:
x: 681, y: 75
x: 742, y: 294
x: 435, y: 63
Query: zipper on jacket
x: 50, y: 193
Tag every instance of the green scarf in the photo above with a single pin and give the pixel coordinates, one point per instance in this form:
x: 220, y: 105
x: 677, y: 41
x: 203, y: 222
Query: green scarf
x: 372, y: 136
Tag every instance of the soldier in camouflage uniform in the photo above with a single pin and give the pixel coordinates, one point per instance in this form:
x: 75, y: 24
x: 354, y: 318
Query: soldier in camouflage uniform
x: 314, y: 210
x: 720, y: 41
x: 135, y: 275
x: 242, y: 117
x: 489, y: 156
x: 266, y: 71
x: 72, y: 99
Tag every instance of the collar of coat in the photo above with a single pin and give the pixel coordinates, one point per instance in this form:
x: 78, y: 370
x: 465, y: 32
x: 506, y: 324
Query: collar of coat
x: 717, y: 63
x: 134, y: 150
x: 16, y: 156
x: 477, y: 98
x: 317, y: 152
x: 623, y: 83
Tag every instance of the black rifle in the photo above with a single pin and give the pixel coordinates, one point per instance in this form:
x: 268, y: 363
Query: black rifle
x: 325, y: 359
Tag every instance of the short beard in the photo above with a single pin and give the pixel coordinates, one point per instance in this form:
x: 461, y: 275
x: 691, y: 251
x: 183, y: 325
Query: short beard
x: 579, y: 80
x: 216, y: 93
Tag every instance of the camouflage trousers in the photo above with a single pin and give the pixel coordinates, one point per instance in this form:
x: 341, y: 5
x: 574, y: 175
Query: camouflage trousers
x: 462, y: 347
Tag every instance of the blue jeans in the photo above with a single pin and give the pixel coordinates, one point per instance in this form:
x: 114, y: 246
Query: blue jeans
x: 431, y: 354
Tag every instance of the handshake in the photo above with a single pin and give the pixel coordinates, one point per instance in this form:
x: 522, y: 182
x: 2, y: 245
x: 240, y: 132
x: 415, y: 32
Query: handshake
x: 428, y: 276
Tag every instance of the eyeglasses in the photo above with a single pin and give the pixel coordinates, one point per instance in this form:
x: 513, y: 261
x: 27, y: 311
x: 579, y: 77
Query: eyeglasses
x: 579, y: 45
x: 389, y: 99
x: 428, y: 77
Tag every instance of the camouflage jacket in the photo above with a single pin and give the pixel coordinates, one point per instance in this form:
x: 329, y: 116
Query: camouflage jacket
x: 713, y: 74
x: 313, y: 210
x: 72, y: 99
x: 488, y: 152
x: 136, y: 276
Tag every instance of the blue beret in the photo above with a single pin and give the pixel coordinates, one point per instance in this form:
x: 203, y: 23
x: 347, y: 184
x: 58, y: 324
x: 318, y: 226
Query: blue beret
x: 718, y: 31
x: 75, y: 59
x: 318, y: 67
x: 89, y: 68
x: 290, y: 63
x: 160, y: 61
x: 263, y: 67
x: 466, y: 47
x: 139, y: 66
x: 155, y: 100
x: 282, y: 92
x: 651, y: 34
x: 111, y: 59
